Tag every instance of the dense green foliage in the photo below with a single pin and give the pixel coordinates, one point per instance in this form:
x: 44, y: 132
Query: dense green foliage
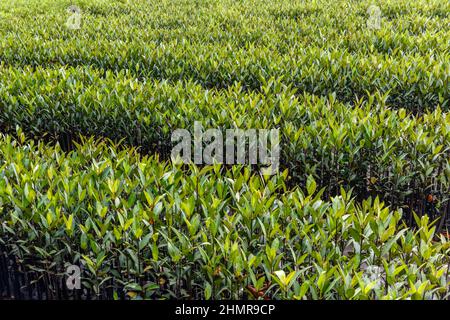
x: 157, y: 231
x: 317, y: 46
x: 338, y: 145
x: 364, y: 123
